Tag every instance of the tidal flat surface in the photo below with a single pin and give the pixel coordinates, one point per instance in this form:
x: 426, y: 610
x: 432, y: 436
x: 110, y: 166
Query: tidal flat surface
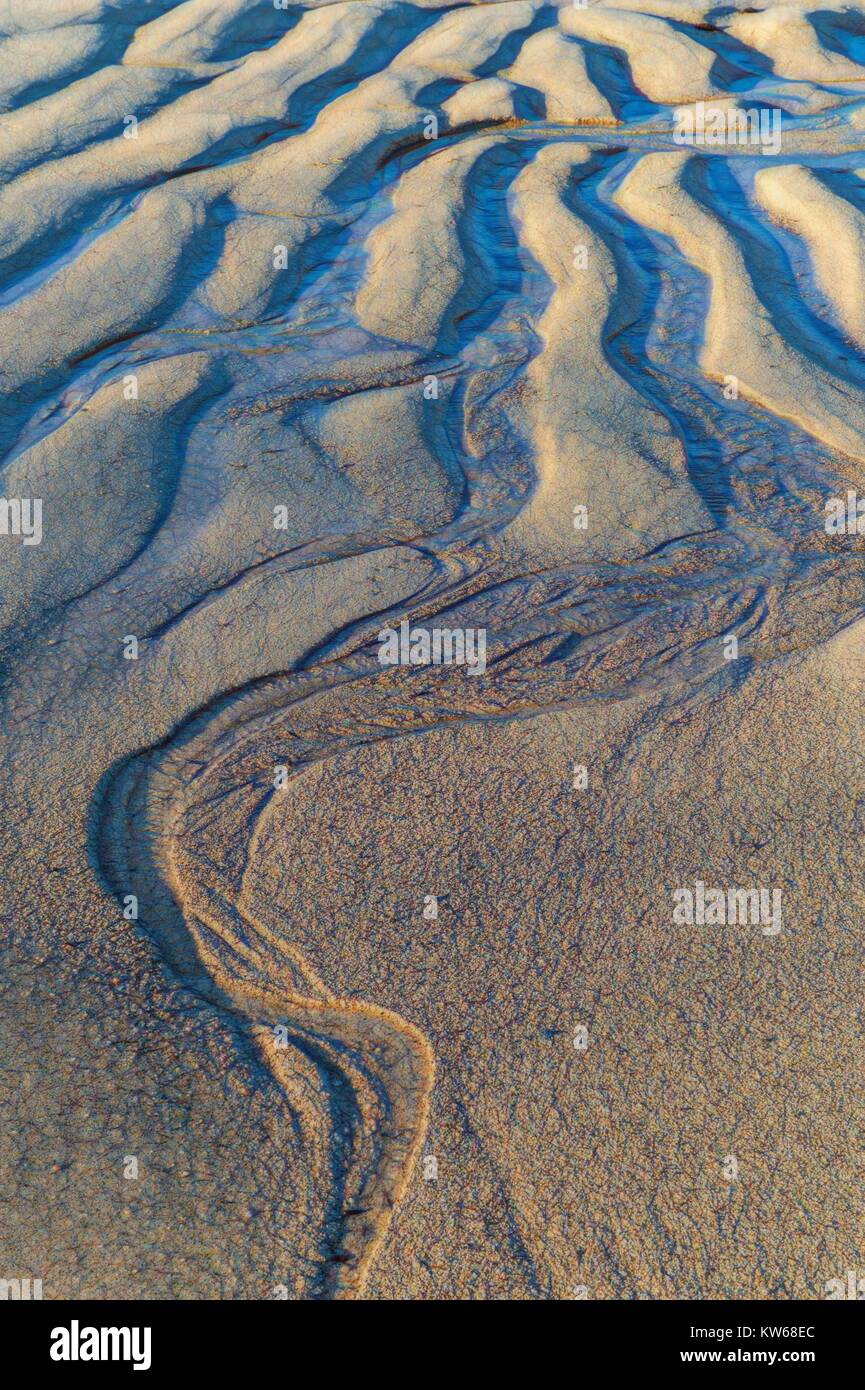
x: 321, y: 321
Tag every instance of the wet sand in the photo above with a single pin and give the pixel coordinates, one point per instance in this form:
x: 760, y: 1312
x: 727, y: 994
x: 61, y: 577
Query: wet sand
x: 325, y: 319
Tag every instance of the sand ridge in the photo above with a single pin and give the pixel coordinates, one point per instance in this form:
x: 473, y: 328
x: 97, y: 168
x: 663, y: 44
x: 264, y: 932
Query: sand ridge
x: 333, y: 317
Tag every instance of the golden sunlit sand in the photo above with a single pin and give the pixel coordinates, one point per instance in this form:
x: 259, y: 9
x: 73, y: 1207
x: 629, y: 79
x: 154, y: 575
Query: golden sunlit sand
x: 338, y: 971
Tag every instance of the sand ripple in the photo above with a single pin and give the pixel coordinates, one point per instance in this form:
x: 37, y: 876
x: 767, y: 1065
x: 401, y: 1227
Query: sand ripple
x: 424, y: 279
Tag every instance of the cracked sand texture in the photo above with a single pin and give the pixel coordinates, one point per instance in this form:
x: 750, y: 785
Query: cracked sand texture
x: 231, y: 264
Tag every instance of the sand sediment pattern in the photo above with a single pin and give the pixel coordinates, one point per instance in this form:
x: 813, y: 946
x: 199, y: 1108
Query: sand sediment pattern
x: 318, y: 319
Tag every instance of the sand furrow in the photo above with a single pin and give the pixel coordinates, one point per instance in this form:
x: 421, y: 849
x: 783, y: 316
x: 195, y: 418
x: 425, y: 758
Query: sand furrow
x: 328, y: 322
x: 743, y: 349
